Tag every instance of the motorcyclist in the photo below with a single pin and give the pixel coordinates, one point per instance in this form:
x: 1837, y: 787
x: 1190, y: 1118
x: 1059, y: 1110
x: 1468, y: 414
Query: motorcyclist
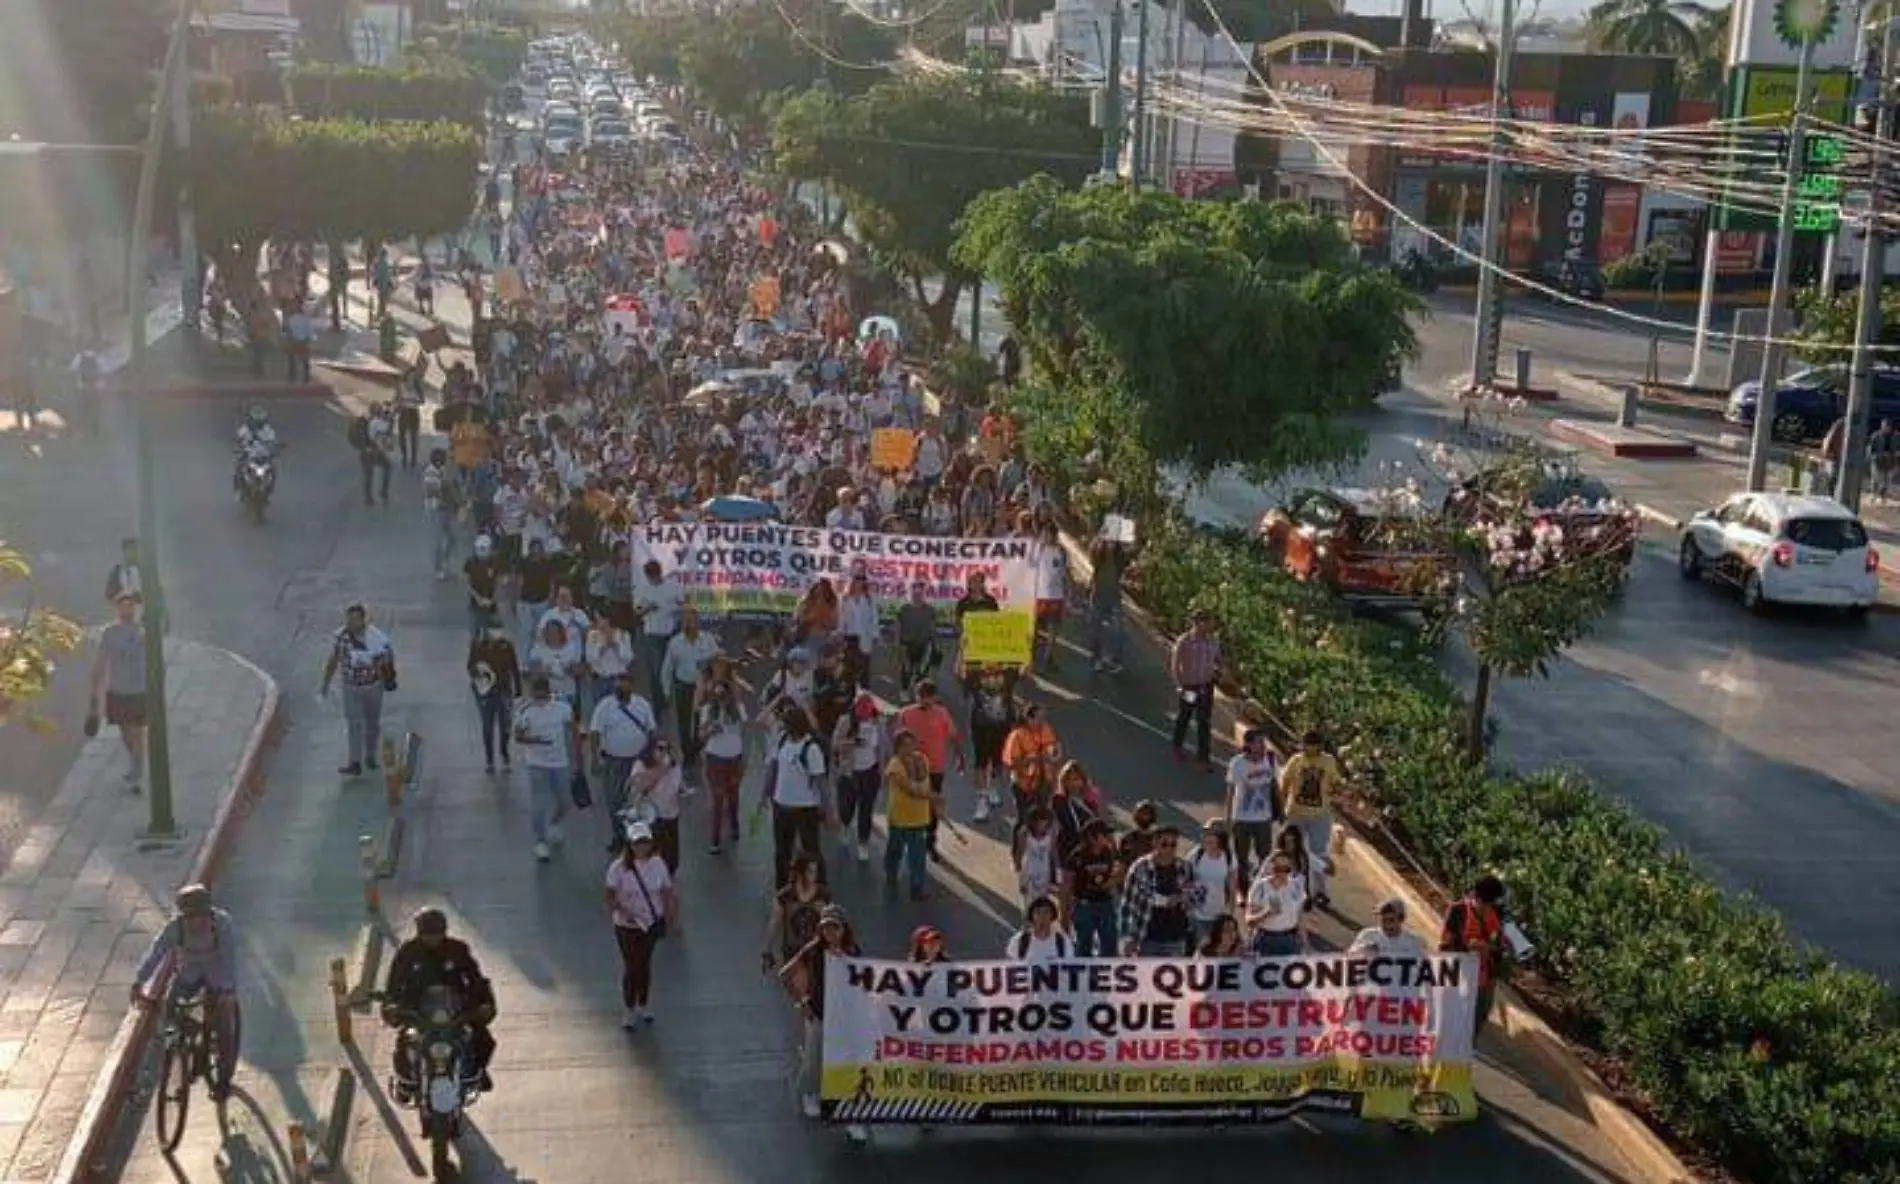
x: 203, y: 942
x: 434, y: 959
x: 256, y: 440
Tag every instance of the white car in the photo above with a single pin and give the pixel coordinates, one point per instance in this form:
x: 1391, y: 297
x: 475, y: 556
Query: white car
x: 1783, y: 548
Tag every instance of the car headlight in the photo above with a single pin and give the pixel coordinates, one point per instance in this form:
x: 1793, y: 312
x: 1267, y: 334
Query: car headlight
x: 439, y: 1053
x: 439, y: 1018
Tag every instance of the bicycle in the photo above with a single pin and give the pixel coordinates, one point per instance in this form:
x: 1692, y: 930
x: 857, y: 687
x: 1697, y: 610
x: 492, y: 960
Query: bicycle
x: 190, y: 1042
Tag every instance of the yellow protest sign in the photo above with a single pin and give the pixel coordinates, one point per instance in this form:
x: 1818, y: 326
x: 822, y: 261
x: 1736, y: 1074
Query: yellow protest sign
x: 508, y: 285
x: 765, y: 297
x: 998, y: 639
x: 892, y: 448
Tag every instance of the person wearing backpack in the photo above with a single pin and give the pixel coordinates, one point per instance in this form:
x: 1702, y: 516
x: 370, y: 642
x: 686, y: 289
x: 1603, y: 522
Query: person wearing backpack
x: 1475, y: 925
x: 1213, y: 884
x: 1041, y: 940
x: 795, y: 790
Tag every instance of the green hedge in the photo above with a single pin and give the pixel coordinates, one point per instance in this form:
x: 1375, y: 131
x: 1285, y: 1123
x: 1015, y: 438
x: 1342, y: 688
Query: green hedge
x: 1755, y: 1049
x: 440, y: 91
x: 494, y: 51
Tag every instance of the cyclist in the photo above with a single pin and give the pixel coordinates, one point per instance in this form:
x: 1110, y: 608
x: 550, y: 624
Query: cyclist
x: 203, y: 942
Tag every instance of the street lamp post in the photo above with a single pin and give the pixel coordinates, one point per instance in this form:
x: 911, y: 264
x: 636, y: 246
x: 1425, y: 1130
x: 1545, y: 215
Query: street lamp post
x: 1484, y: 345
x: 158, y: 743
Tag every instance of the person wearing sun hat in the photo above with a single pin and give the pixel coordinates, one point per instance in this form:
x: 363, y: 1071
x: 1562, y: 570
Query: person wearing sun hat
x: 804, y: 980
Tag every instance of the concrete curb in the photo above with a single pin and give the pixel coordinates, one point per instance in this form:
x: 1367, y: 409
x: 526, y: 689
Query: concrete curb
x: 1522, y: 1028
x: 1528, y: 1034
x: 117, y: 1077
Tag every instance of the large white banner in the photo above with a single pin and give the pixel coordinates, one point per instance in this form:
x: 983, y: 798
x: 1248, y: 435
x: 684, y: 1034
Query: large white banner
x: 755, y: 569
x: 1147, y: 1040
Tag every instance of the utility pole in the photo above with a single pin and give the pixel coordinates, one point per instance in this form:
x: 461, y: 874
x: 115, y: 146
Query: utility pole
x: 158, y: 735
x: 190, y: 280
x: 1138, y: 173
x: 1484, y: 343
x: 1112, y: 93
x: 1873, y: 267
x: 1762, y: 441
x: 1173, y: 158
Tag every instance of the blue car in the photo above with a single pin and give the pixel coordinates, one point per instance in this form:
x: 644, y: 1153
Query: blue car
x: 1808, y: 402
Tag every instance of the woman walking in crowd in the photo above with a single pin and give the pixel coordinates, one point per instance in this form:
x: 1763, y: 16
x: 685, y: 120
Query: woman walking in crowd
x: 804, y: 979
x: 992, y: 716
x: 1276, y: 909
x: 915, y: 802
x: 545, y: 727
x: 722, y: 738
x: 859, y: 751
x: 654, y: 796
x: 1214, y: 884
x: 643, y: 906
x: 1223, y: 939
x: 494, y: 675
x: 926, y: 946
x: 793, y: 922
x: 1033, y: 854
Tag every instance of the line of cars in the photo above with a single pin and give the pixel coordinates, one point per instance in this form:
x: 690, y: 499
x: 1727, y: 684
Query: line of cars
x: 1809, y: 401
x: 584, y: 100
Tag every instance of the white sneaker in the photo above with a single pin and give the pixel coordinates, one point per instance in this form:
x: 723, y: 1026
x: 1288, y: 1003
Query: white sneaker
x: 630, y: 1018
x: 541, y: 852
x: 441, y: 573
x: 646, y: 1015
x: 982, y: 814
x: 808, y: 1103
x: 864, y: 852
x: 555, y: 837
x: 858, y: 1133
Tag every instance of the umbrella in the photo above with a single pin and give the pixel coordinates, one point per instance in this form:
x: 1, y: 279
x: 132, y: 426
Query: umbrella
x: 704, y: 394
x: 870, y: 327
x: 836, y: 251
x: 731, y: 508
x: 753, y: 334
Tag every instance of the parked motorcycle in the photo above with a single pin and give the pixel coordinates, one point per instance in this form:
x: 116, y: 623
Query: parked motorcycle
x: 435, y: 1038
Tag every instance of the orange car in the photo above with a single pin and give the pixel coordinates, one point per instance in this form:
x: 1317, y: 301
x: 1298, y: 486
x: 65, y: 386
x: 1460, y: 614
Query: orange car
x: 1367, y: 548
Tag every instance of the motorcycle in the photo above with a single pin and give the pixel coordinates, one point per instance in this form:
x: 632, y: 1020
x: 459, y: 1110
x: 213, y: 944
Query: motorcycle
x: 257, y: 478
x: 434, y: 1037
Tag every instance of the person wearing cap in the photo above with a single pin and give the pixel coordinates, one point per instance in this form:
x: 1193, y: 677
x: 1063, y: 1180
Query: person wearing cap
x: 926, y: 946
x: 1253, y: 800
x: 494, y: 675
x: 118, y: 684
x: 1307, y: 784
x: 858, y: 751
x: 203, y: 942
x: 482, y: 571
x: 1195, y: 665
x: 1389, y: 938
x: 803, y: 977
x: 643, y: 905
x: 361, y: 653
x: 434, y: 959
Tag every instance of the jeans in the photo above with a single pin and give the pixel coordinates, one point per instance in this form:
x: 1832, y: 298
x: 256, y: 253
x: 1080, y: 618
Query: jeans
x: 1319, y: 840
x: 547, y: 793
x: 666, y: 839
x: 1094, y: 922
x: 1201, y: 712
x: 906, y: 845
x: 795, y: 827
x: 723, y: 775
x: 527, y: 616
x: 683, y: 716
x: 443, y: 535
x: 652, y: 656
x: 363, y: 721
x: 494, y: 709
x: 1270, y: 944
x: 857, y: 797
x: 614, y: 772
x: 1252, y: 840
x: 408, y: 433
x: 1108, y: 638
x: 373, y: 459
x: 811, y: 1057
x: 480, y: 617
x: 1152, y: 947
x: 636, y: 965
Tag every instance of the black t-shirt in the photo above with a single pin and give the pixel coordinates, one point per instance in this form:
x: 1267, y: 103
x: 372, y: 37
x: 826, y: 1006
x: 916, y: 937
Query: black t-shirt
x: 1092, y: 874
x: 991, y: 708
x: 800, y: 921
x: 1169, y: 924
x: 482, y: 577
x: 537, y: 578
x: 1135, y: 844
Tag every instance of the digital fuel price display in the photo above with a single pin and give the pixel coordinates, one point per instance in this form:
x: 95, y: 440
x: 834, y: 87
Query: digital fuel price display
x: 1817, y: 197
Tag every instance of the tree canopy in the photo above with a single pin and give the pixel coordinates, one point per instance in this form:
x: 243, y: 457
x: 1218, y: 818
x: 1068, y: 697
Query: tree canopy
x: 752, y: 54
x: 257, y: 176
x: 1184, y: 333
x: 909, y: 154
x: 445, y: 89
x: 31, y: 642
x: 79, y: 71
x: 493, y: 50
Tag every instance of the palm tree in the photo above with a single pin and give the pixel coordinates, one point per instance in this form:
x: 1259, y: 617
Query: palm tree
x: 1670, y: 28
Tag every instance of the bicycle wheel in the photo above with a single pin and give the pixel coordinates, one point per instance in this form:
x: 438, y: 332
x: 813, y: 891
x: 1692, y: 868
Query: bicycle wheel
x: 174, y: 1091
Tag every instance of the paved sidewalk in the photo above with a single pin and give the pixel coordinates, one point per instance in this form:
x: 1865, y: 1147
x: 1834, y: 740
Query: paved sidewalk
x: 706, y: 1095
x: 84, y: 893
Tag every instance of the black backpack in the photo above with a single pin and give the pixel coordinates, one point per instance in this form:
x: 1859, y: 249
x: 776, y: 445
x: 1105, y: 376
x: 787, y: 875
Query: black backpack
x: 1020, y: 946
x: 359, y: 432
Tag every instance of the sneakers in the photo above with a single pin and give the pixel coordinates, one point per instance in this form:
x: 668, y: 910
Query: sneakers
x: 541, y: 852
x: 982, y: 813
x: 630, y: 1018
x: 555, y: 837
x: 646, y: 1015
x: 132, y: 783
x: 858, y: 1133
x: 808, y: 1105
x: 351, y: 770
x: 864, y: 852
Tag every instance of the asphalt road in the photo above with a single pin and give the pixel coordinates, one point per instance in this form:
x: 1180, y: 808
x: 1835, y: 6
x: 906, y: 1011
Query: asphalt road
x: 67, y: 501
x: 1763, y: 745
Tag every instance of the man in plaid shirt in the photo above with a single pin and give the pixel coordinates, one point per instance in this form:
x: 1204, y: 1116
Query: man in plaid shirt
x: 1154, y: 915
x: 1194, y: 665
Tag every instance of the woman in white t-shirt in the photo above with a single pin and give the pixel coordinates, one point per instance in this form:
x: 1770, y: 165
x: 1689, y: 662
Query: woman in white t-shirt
x: 1253, y: 779
x: 1052, y: 593
x: 1276, y: 907
x: 1213, y: 883
x: 557, y: 653
x: 640, y: 900
x: 657, y: 787
x: 721, y: 730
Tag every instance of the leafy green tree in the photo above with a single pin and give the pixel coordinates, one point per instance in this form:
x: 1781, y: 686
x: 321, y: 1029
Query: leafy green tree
x: 649, y: 45
x: 754, y: 54
x: 445, y: 89
x: 494, y: 51
x: 909, y: 154
x: 323, y: 28
x: 1829, y: 323
x: 31, y: 642
x: 1670, y: 28
x: 256, y: 177
x: 1184, y: 333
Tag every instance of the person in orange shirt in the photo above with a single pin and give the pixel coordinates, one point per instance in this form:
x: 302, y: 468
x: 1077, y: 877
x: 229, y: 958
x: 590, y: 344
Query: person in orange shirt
x: 1032, y: 753
x: 936, y: 730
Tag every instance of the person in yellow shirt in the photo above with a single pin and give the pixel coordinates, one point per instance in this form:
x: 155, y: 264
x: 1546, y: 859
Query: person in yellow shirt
x: 913, y: 803
x: 1032, y: 754
x: 1307, y: 784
